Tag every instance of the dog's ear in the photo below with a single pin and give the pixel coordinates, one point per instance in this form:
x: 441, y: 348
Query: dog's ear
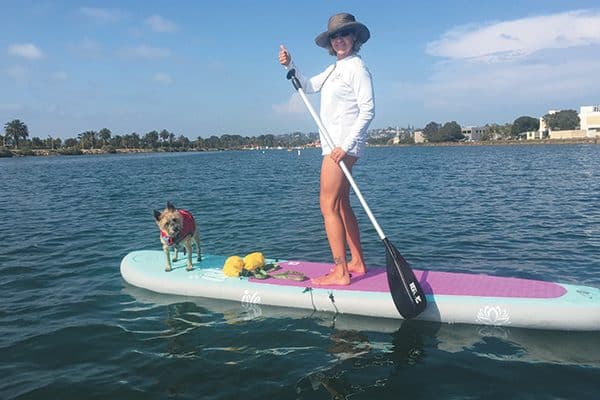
x: 157, y: 215
x: 170, y: 206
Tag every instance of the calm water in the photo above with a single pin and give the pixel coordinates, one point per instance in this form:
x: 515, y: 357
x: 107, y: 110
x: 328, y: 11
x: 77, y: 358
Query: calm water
x: 70, y: 328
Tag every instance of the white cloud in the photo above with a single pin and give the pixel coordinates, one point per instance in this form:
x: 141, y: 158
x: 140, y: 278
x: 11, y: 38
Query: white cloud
x: 148, y: 52
x: 518, y: 38
x: 511, y: 68
x: 102, y: 15
x: 294, y: 106
x: 26, y: 50
x: 160, y: 24
x: 162, y: 78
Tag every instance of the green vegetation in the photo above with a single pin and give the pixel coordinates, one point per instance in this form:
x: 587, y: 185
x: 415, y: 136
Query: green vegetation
x: 437, y: 133
x: 562, y: 120
x: 524, y: 124
x: 15, y: 140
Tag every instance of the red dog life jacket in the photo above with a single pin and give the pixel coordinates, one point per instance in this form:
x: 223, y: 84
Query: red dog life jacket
x: 189, y: 227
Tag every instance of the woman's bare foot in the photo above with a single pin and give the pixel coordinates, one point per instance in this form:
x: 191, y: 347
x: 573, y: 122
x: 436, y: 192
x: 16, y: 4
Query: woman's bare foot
x: 333, y: 278
x: 355, y: 269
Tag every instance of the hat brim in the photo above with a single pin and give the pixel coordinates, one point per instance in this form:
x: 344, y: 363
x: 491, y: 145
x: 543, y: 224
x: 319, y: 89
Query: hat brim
x: 362, y: 33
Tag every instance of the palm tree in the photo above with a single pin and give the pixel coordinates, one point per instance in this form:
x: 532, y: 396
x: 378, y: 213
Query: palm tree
x: 164, y: 135
x: 105, y: 135
x: 15, y: 130
x: 88, y: 139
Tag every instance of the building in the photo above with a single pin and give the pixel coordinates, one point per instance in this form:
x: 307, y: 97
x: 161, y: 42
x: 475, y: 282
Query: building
x: 419, y: 138
x: 589, y: 117
x: 474, y: 133
x: 533, y: 135
x: 589, y: 121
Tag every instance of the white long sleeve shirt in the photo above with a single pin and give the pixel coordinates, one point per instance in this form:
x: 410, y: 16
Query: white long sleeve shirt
x: 347, y: 103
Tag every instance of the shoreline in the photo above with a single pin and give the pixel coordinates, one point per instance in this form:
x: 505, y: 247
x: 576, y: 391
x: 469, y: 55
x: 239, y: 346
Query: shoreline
x: 7, y: 153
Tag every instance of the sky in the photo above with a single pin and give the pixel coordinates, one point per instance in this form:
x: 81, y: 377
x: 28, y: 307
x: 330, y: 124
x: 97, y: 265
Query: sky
x: 202, y: 68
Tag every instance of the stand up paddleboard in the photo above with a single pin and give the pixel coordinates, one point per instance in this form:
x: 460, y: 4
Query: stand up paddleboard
x: 451, y: 297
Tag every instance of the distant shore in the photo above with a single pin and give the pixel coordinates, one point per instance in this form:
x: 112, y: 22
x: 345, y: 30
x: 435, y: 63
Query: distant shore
x: 4, y: 152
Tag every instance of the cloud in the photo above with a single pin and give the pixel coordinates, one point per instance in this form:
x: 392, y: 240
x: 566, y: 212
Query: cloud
x: 160, y: 24
x: 162, y: 78
x: 148, y: 52
x: 293, y: 106
x: 26, y: 50
x: 102, y: 15
x: 519, y: 38
x: 512, y: 68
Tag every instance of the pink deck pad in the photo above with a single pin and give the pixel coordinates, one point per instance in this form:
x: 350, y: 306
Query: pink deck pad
x: 433, y: 282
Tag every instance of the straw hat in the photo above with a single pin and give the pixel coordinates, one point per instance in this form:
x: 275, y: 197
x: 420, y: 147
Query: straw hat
x: 340, y: 22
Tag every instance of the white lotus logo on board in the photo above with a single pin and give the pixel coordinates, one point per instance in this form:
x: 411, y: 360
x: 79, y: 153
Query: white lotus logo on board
x: 493, y: 315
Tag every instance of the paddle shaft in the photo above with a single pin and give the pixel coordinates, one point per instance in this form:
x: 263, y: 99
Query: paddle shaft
x: 342, y: 165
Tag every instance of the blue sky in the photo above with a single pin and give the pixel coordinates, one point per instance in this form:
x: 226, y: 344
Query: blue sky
x: 208, y: 68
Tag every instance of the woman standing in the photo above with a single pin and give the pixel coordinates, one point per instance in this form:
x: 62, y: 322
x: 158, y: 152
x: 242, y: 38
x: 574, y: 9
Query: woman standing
x: 347, y: 108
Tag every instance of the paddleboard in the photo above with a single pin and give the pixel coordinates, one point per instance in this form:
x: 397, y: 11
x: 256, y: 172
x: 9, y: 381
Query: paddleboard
x: 451, y: 297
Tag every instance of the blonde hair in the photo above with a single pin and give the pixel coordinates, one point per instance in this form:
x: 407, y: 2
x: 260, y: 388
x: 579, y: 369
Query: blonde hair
x: 355, y: 46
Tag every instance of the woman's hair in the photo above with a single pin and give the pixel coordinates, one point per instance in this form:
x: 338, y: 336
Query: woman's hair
x: 355, y: 46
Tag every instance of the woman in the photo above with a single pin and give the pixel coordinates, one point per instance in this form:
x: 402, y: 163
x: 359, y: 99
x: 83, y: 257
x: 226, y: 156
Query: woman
x: 347, y: 108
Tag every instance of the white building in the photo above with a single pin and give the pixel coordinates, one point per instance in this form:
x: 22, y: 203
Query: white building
x: 474, y: 133
x: 589, y: 117
x: 419, y: 138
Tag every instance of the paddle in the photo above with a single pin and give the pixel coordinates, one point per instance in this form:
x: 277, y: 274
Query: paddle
x: 406, y: 290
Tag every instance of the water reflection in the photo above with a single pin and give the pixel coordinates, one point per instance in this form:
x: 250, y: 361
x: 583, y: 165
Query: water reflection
x: 341, y: 356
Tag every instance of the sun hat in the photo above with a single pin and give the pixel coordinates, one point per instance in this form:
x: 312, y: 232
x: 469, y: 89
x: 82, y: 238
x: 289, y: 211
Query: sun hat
x: 341, y: 22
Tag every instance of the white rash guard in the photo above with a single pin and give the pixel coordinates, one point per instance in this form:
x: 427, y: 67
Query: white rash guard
x: 347, y: 102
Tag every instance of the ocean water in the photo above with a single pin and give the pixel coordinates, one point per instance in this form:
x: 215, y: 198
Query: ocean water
x: 71, y: 328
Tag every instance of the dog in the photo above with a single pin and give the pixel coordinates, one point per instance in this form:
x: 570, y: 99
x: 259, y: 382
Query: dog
x: 177, y: 227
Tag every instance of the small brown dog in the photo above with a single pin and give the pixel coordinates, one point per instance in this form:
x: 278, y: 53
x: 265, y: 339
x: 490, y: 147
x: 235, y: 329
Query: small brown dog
x: 177, y: 227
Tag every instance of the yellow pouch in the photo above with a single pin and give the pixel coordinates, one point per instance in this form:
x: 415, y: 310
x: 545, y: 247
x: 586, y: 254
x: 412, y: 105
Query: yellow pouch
x: 233, y: 266
x: 254, y: 261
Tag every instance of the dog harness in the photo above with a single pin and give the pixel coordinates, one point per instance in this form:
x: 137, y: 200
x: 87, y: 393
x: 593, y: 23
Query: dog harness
x: 189, y: 227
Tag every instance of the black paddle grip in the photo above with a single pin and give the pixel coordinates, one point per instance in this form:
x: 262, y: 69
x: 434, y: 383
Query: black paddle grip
x: 295, y: 81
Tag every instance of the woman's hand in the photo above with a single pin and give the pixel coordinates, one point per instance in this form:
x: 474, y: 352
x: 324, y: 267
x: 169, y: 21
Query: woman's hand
x: 337, y: 154
x: 284, y: 56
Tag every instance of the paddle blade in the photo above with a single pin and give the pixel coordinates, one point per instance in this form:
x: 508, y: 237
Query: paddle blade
x: 406, y: 290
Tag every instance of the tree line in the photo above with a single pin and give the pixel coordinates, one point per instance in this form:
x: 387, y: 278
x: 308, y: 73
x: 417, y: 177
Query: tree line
x: 452, y: 132
x: 16, y: 136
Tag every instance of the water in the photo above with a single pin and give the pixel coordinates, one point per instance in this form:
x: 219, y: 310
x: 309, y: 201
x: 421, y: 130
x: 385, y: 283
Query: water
x: 70, y: 328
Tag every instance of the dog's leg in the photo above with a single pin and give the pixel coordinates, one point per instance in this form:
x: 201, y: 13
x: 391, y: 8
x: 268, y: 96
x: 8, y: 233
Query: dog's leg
x: 188, y: 247
x: 197, y: 241
x: 175, y: 253
x: 167, y: 253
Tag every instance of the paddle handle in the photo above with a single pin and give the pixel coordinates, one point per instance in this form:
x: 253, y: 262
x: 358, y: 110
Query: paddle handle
x: 296, y: 83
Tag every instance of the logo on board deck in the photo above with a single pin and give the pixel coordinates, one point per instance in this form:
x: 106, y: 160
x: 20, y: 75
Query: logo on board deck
x: 493, y: 315
x: 213, y: 275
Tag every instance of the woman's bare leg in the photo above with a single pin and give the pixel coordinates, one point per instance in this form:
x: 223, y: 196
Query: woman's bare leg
x: 357, y: 264
x: 335, y: 207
